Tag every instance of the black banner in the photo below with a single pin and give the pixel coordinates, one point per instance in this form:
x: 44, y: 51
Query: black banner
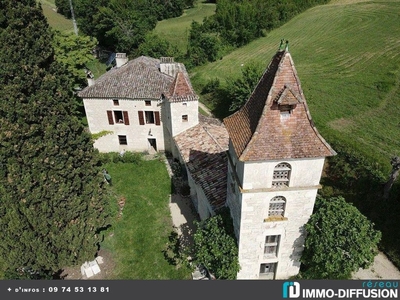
x: 199, y: 289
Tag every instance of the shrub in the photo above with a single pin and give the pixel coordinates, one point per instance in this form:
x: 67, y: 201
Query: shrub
x: 116, y: 157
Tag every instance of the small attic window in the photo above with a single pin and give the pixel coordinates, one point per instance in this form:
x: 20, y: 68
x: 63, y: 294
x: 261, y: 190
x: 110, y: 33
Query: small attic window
x: 287, y: 101
x: 286, y: 111
x: 286, y: 108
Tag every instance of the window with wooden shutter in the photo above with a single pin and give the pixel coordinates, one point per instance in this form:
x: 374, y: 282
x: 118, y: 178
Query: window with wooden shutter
x: 157, y: 117
x: 110, y: 117
x: 126, y: 117
x: 141, y: 117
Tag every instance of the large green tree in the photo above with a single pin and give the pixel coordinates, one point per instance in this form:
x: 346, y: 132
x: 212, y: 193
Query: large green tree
x: 52, y: 204
x: 75, y: 52
x: 215, y: 248
x: 340, y: 240
x: 238, y: 90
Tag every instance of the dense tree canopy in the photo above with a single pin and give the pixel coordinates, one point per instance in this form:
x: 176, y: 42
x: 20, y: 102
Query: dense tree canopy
x: 75, y: 52
x: 239, y: 89
x: 340, y: 240
x: 156, y: 46
x: 216, y: 249
x: 52, y: 205
x: 121, y: 25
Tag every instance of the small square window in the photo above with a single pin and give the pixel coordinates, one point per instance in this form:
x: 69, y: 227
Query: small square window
x: 122, y: 140
x: 116, y: 102
x: 184, y: 118
x: 147, y: 102
x: 184, y: 103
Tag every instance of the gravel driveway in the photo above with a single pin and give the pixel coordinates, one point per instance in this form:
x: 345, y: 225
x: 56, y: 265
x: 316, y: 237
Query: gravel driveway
x: 382, y: 268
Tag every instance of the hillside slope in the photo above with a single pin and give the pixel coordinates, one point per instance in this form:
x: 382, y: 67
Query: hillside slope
x: 347, y: 54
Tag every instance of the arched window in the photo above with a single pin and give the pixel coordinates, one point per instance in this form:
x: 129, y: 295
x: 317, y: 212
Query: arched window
x: 281, y: 175
x: 277, y: 206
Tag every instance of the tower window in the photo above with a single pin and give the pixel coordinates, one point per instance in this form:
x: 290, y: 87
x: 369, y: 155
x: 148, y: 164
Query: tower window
x: 271, y: 246
x: 267, y: 271
x: 184, y: 118
x: 281, y: 176
x: 277, y: 206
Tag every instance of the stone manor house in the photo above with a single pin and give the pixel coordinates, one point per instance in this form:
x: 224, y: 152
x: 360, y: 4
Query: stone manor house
x: 264, y: 162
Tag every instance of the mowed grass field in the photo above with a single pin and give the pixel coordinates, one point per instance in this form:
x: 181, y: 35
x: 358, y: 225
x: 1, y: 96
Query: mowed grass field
x: 56, y: 21
x: 176, y: 30
x: 137, y: 240
x: 347, y: 55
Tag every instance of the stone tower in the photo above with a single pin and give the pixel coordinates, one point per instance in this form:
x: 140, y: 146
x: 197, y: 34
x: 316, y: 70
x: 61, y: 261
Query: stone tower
x: 179, y: 103
x: 276, y: 157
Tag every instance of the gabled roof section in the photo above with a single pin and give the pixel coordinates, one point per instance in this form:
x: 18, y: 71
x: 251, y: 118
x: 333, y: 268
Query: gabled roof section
x: 288, y: 97
x: 203, y: 148
x: 181, y: 89
x: 140, y: 78
x: 275, y: 122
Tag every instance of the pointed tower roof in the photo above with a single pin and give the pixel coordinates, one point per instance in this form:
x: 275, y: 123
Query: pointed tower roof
x: 275, y: 122
x: 181, y: 90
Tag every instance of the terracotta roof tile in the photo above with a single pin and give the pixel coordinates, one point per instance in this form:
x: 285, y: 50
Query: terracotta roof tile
x: 203, y: 148
x: 259, y: 131
x: 181, y: 89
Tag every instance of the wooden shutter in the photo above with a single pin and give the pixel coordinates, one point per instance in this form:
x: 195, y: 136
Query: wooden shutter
x: 110, y: 117
x: 141, y: 118
x: 157, y: 117
x: 126, y: 117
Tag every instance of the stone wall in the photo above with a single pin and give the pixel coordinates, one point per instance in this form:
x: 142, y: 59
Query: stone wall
x: 137, y: 135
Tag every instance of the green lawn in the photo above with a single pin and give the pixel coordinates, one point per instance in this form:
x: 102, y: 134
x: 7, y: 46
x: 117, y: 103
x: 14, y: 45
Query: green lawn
x: 347, y: 56
x: 176, y: 30
x: 56, y: 21
x: 141, y: 234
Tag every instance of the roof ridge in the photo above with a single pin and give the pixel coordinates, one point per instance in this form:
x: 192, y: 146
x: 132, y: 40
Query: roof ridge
x: 265, y: 108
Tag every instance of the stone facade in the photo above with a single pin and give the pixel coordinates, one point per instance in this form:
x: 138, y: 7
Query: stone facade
x: 250, y: 205
x: 142, y: 103
x: 139, y: 137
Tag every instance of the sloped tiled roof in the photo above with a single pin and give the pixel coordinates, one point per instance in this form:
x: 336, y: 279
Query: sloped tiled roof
x: 203, y: 148
x: 259, y: 132
x: 181, y: 89
x: 140, y: 78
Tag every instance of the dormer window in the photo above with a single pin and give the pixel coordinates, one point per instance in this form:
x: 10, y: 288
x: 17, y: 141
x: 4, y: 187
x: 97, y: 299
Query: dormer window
x: 287, y: 101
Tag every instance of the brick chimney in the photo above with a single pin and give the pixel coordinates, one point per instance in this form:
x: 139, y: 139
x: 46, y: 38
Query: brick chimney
x: 89, y: 77
x: 120, y: 59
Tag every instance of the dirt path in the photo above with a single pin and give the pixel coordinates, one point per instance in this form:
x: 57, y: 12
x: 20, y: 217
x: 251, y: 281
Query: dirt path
x: 382, y: 268
x: 205, y: 108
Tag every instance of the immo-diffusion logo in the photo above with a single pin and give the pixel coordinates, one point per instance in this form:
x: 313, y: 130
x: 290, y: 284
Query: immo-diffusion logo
x: 291, y: 289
